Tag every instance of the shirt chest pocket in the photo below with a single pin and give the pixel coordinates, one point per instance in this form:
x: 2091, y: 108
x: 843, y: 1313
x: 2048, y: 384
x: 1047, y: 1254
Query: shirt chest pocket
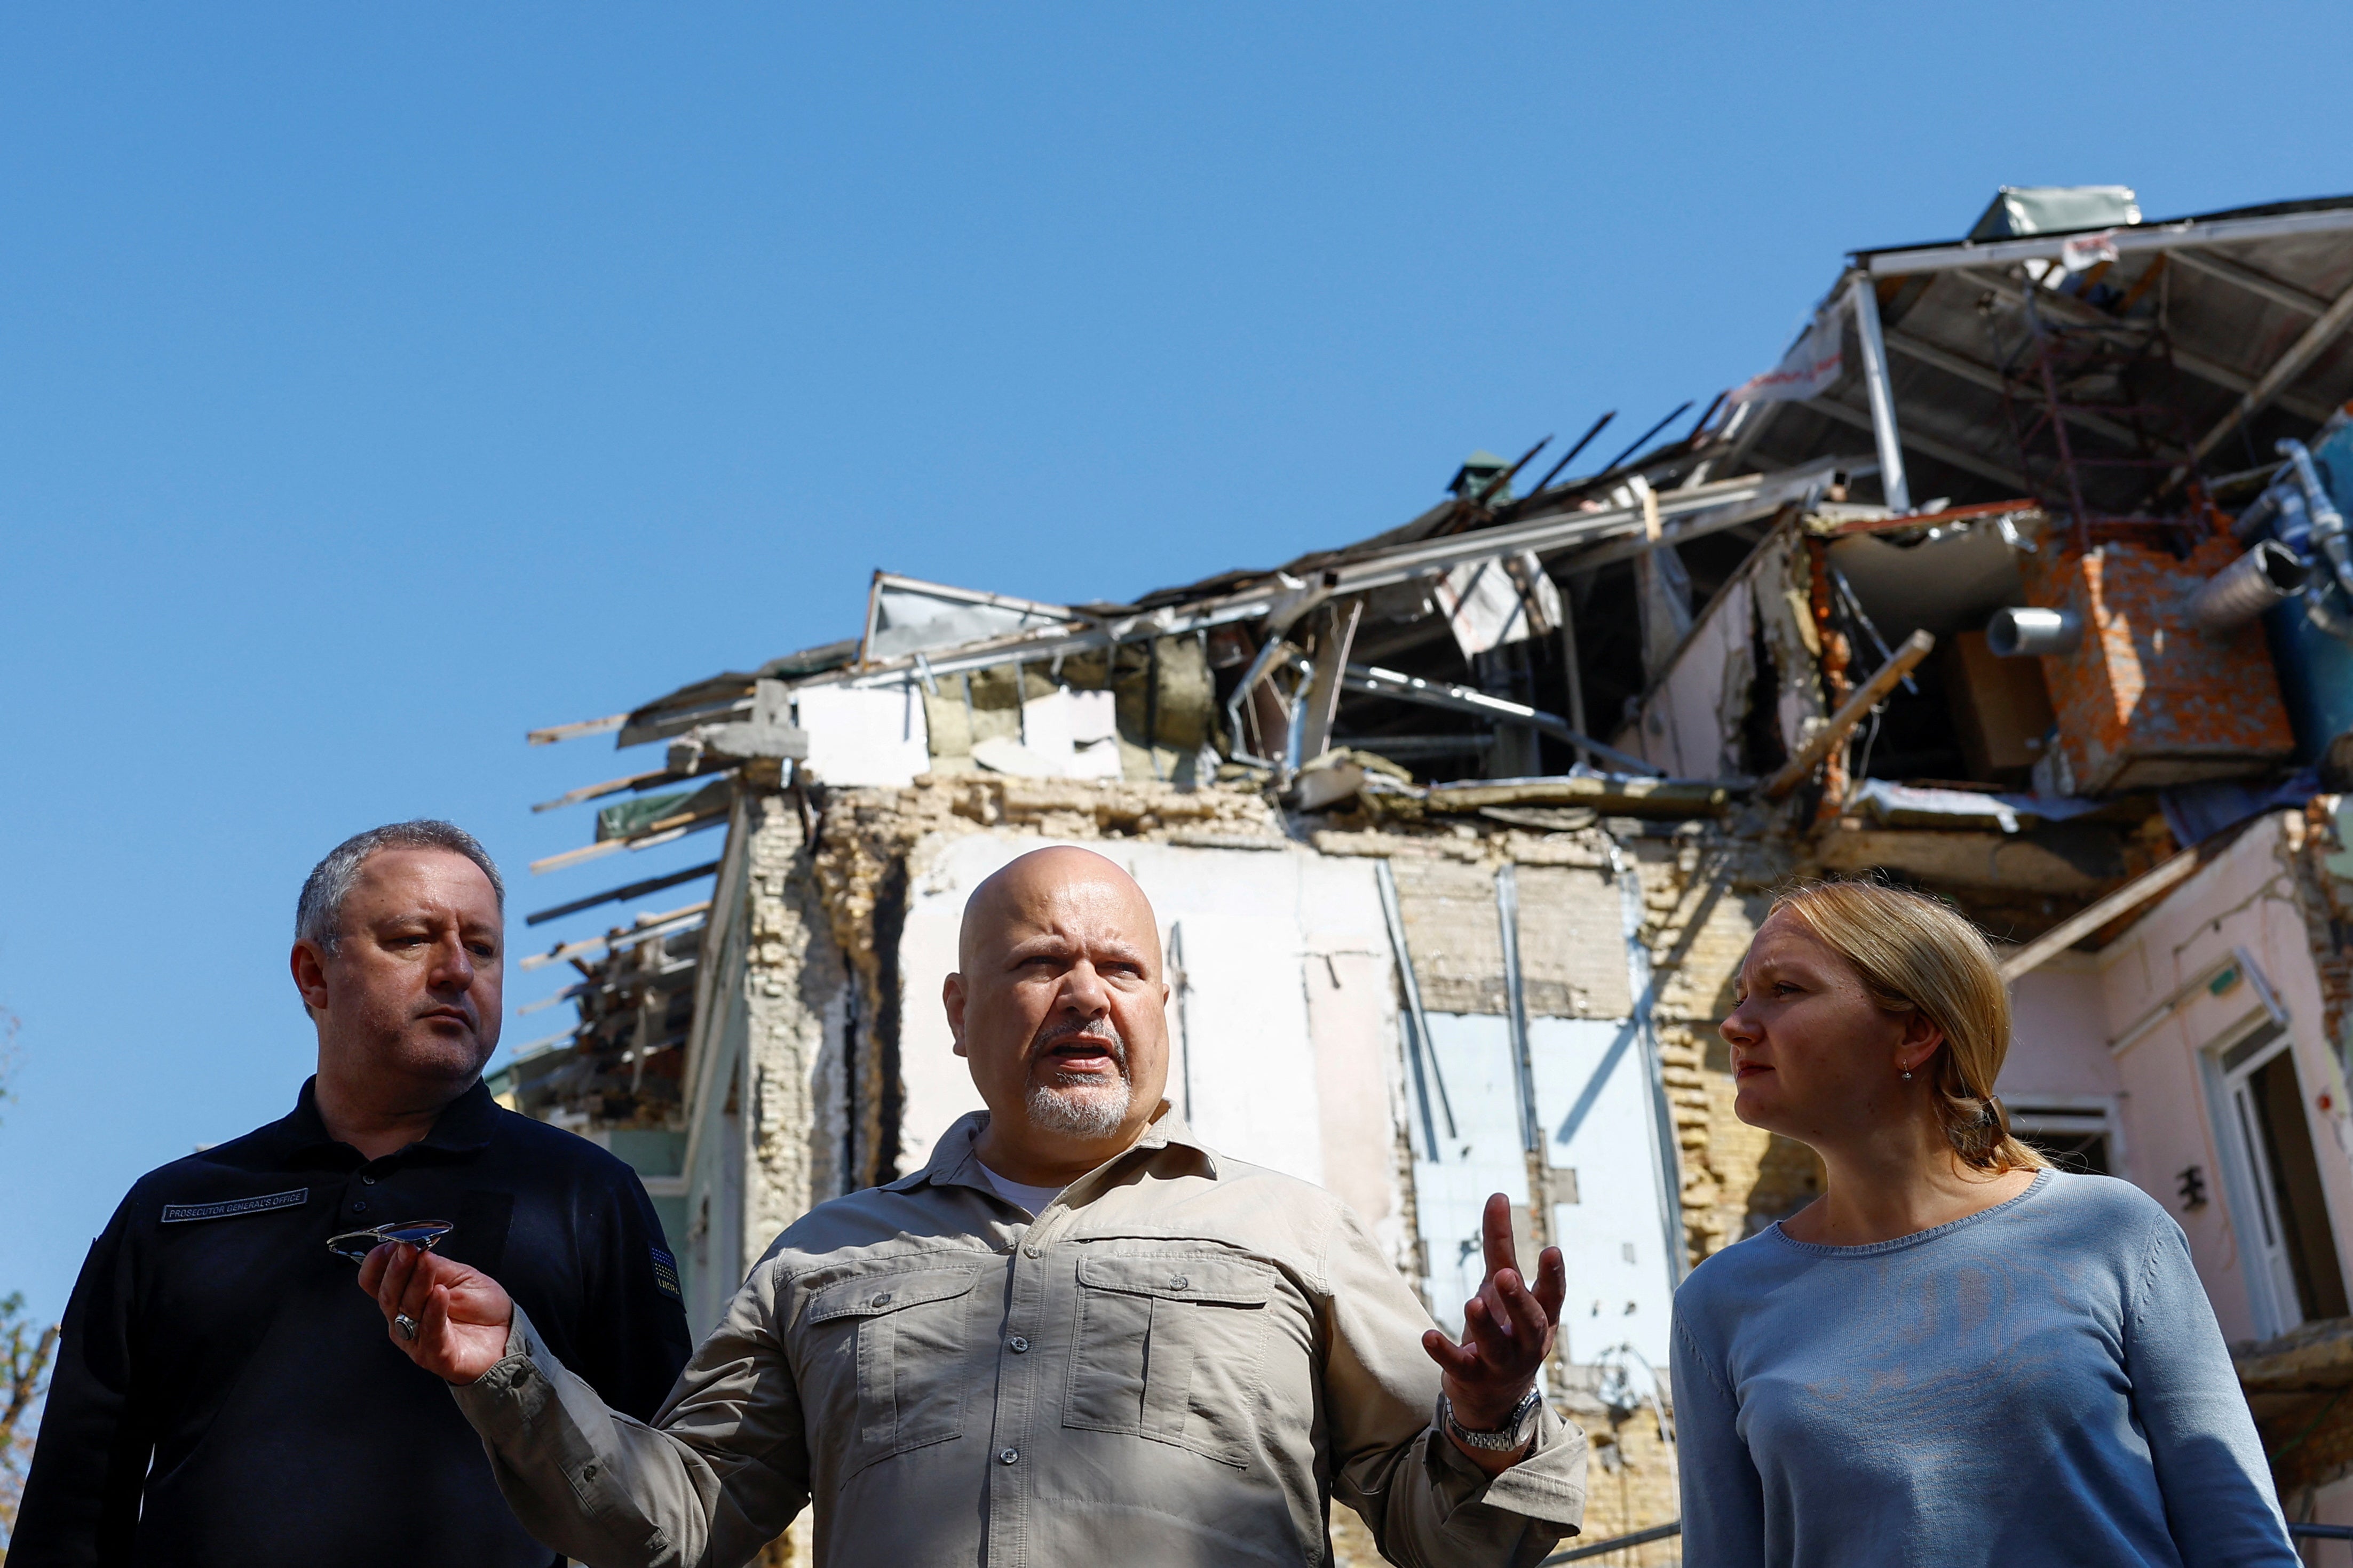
x: 1168, y: 1347
x: 899, y: 1345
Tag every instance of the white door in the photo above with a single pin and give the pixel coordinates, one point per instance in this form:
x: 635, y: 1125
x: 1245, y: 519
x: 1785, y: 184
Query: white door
x: 2261, y: 1225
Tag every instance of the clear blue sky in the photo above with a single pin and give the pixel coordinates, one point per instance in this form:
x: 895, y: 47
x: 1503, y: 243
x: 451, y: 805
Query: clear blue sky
x: 378, y: 382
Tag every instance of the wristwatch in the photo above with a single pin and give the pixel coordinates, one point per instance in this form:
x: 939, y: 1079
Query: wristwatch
x: 1513, y: 1434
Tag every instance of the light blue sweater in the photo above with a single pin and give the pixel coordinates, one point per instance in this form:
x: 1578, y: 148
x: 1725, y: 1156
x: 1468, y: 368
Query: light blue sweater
x: 2040, y: 1384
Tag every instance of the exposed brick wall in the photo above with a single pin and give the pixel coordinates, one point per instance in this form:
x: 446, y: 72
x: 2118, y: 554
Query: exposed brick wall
x: 2146, y: 698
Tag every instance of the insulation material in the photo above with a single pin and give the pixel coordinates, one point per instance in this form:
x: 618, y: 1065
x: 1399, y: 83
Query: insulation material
x: 2147, y: 699
x: 1593, y: 1104
x: 984, y: 705
x: 1163, y: 694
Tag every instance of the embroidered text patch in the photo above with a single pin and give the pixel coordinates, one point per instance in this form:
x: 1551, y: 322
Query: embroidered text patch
x: 175, y: 1214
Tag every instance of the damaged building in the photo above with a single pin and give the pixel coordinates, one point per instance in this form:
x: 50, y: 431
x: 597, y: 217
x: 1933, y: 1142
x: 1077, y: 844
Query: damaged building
x: 2022, y: 580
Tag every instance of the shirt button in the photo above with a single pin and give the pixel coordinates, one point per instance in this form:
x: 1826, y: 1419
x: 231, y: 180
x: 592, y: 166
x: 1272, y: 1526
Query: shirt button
x: 1008, y: 1456
x: 359, y: 1208
x: 1030, y: 1252
x: 1019, y: 1344
x: 883, y: 1300
x: 367, y: 1180
x: 1177, y: 1282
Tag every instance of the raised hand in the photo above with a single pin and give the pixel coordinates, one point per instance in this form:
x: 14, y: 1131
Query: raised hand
x: 461, y: 1314
x: 1507, y: 1329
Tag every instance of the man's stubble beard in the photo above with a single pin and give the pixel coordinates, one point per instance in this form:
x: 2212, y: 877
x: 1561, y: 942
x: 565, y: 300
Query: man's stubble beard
x: 1075, y: 1106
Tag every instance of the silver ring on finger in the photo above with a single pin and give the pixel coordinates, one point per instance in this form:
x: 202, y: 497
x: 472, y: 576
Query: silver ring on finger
x: 404, y: 1325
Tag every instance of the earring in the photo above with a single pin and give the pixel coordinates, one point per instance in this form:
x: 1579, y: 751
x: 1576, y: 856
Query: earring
x: 1907, y: 1078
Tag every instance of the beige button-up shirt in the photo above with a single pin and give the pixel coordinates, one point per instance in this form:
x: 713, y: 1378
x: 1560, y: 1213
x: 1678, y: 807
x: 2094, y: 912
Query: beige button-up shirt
x: 1183, y: 1360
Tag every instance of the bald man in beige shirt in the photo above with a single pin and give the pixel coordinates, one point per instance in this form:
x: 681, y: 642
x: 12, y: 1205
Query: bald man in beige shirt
x: 1077, y: 1336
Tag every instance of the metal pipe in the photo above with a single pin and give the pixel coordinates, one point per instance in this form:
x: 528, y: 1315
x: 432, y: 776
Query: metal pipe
x: 1296, y: 730
x: 1417, y: 1044
x: 2328, y: 522
x: 2020, y: 630
x: 1373, y: 682
x: 1864, y: 299
x: 1570, y: 455
x: 2257, y: 518
x: 1242, y: 688
x: 1642, y: 983
x: 2264, y: 576
x: 1523, y: 1071
x: 1673, y: 414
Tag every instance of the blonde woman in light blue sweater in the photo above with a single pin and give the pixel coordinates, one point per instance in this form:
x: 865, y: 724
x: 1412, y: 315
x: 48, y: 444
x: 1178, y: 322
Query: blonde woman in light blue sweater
x: 1957, y: 1355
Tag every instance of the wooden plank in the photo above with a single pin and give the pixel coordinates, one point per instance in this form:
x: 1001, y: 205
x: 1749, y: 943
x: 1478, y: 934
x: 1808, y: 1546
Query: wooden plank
x: 662, y: 832
x: 2123, y: 900
x: 648, y: 928
x: 610, y: 786
x: 1601, y: 791
x: 1883, y: 680
x: 556, y: 732
x: 616, y: 895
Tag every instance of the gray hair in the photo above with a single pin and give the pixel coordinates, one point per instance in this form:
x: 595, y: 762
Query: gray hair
x: 319, y: 913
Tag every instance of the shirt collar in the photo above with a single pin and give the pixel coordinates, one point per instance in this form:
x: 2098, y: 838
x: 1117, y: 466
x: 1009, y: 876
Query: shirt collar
x: 464, y: 1127
x: 954, y: 1163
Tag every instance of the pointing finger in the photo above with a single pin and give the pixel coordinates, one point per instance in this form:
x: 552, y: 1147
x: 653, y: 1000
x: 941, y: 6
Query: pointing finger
x: 1496, y: 1227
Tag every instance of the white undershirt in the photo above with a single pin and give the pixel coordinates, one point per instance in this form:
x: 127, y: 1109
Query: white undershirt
x: 1033, y: 1199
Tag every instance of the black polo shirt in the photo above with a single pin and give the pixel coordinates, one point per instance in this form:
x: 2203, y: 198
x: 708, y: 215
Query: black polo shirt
x: 226, y: 1394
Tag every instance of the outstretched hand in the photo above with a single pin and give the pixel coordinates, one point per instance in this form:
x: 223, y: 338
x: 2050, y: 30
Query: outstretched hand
x: 461, y: 1314
x: 1507, y: 1329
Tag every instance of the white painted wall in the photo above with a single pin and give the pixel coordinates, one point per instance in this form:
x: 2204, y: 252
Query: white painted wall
x: 1593, y: 1095
x: 2244, y: 899
x: 1483, y: 1155
x: 873, y: 736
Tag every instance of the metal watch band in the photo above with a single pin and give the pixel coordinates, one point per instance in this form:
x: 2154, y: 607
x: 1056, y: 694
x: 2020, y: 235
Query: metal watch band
x: 1512, y: 1435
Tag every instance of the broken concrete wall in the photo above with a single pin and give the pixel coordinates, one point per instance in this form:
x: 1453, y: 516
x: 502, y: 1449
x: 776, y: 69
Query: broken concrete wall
x: 766, y: 1057
x: 1743, y: 689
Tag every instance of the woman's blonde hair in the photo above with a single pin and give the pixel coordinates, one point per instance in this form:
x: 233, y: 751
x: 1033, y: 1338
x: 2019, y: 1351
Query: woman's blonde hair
x: 1915, y: 956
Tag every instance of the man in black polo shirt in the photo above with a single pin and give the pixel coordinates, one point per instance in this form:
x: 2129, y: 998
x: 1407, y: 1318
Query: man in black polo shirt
x: 222, y: 1394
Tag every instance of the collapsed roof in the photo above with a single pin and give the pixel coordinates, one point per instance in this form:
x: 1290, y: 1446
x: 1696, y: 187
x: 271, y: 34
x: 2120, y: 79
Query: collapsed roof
x: 2068, y: 373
